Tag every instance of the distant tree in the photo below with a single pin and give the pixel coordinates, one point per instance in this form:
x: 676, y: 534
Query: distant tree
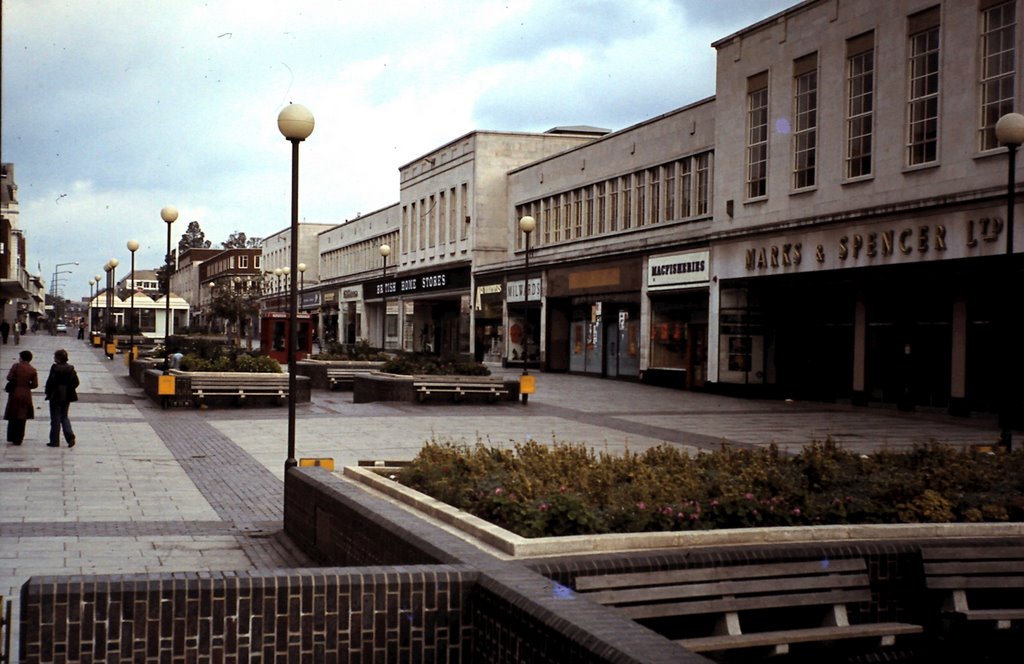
x: 237, y: 301
x: 236, y: 240
x: 193, y: 238
x: 253, y: 243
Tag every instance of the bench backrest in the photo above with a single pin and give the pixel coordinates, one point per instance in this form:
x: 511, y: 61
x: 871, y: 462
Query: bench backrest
x: 730, y: 589
x: 974, y: 567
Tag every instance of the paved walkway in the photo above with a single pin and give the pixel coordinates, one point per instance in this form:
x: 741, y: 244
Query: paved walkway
x: 149, y: 490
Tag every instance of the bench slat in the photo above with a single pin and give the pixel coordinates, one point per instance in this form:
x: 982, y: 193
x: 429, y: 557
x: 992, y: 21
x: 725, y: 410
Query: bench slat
x: 962, y: 567
x: 663, y: 577
x: 790, y: 585
x: 994, y: 614
x: 726, y: 604
x: 972, y: 552
x: 752, y: 640
x: 974, y: 582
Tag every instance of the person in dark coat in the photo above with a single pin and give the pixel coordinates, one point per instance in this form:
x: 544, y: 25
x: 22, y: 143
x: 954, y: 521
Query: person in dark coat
x: 61, y: 386
x: 22, y: 379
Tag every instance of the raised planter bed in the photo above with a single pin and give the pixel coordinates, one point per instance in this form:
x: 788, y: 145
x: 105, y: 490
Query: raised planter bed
x: 422, y: 388
x: 335, y: 374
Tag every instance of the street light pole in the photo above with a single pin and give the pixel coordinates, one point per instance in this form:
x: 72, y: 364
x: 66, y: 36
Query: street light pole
x: 133, y: 246
x: 295, y: 123
x: 97, y: 277
x: 1010, y: 132
x: 111, y: 268
x: 169, y: 214
x: 385, y: 251
x: 526, y: 225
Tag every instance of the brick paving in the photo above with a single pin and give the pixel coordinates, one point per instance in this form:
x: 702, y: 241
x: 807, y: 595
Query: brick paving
x: 152, y: 490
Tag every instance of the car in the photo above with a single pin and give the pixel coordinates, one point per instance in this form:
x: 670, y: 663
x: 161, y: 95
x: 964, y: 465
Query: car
x: 62, y: 328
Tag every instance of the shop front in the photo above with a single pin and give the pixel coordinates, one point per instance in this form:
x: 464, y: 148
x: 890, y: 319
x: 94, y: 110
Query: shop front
x: 901, y: 311
x: 428, y: 312
x: 309, y: 303
x: 677, y: 290
x: 593, y: 322
x: 524, y: 303
x: 489, y: 336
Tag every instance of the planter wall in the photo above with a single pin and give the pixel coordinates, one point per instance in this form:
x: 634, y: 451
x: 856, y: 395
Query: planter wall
x: 395, y: 387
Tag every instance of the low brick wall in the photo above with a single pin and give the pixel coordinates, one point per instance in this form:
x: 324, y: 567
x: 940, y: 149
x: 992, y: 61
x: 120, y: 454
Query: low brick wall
x: 333, y: 615
x: 394, y: 387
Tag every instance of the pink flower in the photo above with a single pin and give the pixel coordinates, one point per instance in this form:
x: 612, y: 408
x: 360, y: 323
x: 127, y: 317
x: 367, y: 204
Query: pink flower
x: 641, y: 505
x: 796, y: 511
x: 543, y: 507
x: 667, y: 510
x: 694, y: 516
x: 714, y: 504
x: 499, y: 491
x: 748, y: 496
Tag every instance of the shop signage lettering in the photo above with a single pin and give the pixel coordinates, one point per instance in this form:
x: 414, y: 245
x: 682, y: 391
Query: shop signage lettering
x: 678, y: 270
x: 413, y: 284
x: 909, y: 241
x: 490, y: 289
x: 515, y: 290
x: 350, y: 293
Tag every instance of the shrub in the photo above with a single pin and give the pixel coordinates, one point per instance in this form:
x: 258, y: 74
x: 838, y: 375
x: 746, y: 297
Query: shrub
x: 414, y: 364
x: 361, y: 350
x: 568, y: 488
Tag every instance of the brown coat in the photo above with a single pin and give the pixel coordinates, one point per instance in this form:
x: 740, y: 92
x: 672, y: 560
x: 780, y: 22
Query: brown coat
x: 19, y: 402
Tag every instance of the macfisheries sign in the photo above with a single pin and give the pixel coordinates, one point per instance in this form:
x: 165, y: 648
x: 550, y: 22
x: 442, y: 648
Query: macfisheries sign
x: 679, y: 270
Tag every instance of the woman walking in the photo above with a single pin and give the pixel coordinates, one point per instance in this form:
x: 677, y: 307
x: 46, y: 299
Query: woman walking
x: 60, y: 392
x: 21, y: 380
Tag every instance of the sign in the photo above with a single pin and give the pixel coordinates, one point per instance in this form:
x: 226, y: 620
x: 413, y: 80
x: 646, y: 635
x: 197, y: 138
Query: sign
x: 327, y: 463
x: 165, y: 386
x: 310, y: 300
x: 422, y: 283
x: 515, y: 291
x: 679, y: 270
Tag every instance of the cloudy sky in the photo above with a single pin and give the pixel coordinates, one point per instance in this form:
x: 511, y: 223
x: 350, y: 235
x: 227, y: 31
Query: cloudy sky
x: 114, y: 108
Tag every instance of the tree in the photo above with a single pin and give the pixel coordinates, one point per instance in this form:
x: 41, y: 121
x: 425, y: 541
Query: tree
x: 236, y: 240
x: 193, y: 238
x: 237, y: 301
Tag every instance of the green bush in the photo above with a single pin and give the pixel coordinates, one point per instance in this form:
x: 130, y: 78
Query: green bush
x: 408, y: 364
x: 362, y: 350
x: 239, y: 361
x: 538, y: 490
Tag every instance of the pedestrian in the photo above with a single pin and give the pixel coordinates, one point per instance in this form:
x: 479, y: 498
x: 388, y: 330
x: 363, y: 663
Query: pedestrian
x: 60, y: 391
x: 5, y: 330
x: 81, y: 329
x: 21, y: 380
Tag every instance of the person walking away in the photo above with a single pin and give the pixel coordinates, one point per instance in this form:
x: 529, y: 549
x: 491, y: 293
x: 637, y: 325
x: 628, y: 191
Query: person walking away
x: 61, y: 386
x: 21, y: 380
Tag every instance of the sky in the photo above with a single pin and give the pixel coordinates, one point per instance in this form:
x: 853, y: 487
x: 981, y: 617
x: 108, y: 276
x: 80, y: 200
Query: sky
x: 112, y: 109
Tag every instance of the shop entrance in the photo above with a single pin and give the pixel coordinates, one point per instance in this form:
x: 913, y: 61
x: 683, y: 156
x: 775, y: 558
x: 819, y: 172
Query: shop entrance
x: 622, y: 345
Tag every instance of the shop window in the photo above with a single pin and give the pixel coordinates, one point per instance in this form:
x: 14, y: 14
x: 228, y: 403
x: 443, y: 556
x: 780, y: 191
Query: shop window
x: 805, y: 121
x: 757, y: 135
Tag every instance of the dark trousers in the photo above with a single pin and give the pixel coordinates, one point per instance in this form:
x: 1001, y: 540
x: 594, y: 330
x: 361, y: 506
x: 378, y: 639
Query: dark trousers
x: 16, y: 431
x: 59, y: 420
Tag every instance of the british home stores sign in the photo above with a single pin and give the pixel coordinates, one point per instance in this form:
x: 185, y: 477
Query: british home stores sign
x: 921, y: 239
x: 679, y: 270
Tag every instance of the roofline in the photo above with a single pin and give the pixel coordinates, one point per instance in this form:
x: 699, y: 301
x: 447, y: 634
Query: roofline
x: 494, y: 132
x: 754, y: 27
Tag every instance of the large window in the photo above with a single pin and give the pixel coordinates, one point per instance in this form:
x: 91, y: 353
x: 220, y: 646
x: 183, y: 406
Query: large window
x: 627, y: 201
x: 860, y: 105
x: 805, y: 121
x: 757, y: 136
x: 654, y: 200
x: 670, y: 190
x: 923, y: 88
x: 998, y: 27
x: 702, y: 187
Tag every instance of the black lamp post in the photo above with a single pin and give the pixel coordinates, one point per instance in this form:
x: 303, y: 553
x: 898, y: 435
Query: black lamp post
x: 169, y: 214
x: 91, y: 326
x: 1009, y: 132
x: 385, y: 251
x: 111, y: 268
x: 133, y: 246
x: 527, y: 224
x: 92, y: 282
x: 296, y: 124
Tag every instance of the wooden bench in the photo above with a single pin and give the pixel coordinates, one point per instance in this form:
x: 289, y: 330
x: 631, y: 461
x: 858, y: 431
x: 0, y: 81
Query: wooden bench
x: 458, y: 388
x: 339, y: 376
x: 238, y: 385
x: 980, y: 583
x: 748, y: 606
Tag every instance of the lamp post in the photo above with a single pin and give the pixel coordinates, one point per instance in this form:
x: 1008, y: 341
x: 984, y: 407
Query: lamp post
x: 295, y: 123
x: 133, y: 246
x: 92, y: 282
x: 1009, y: 132
x: 111, y: 268
x: 169, y: 214
x: 54, y: 289
x: 97, y: 278
x: 527, y: 224
x: 277, y: 280
x: 385, y: 251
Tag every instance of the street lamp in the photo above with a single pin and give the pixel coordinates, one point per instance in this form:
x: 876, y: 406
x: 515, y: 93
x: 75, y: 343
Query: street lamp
x: 169, y: 214
x: 53, y: 288
x: 277, y: 280
x: 92, y: 282
x: 295, y: 123
x: 133, y: 246
x: 527, y: 224
x: 97, y: 277
x: 111, y: 268
x: 385, y: 251
x: 1009, y: 132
